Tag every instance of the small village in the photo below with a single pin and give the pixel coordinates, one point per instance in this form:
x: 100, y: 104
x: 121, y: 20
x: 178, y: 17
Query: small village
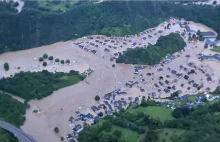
x: 183, y: 74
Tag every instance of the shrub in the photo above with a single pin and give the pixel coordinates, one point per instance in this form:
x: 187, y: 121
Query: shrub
x: 41, y: 59
x: 113, y: 65
x: 67, y: 61
x: 45, y: 56
x: 97, y: 98
x: 57, y: 60
x: 44, y: 64
x: 56, y: 130
x: 50, y: 58
x: 6, y: 66
x: 62, y: 61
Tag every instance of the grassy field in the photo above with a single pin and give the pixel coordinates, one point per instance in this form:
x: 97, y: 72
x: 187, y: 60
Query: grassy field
x: 68, y: 80
x: 192, y: 98
x: 166, y: 134
x: 178, y: 102
x: 216, y: 49
x: 157, y: 112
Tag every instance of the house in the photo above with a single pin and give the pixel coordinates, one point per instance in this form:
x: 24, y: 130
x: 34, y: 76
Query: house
x: 210, y: 42
x: 208, y: 34
x: 202, y: 57
x: 78, y: 128
x: 156, y: 85
x: 106, y: 50
x: 154, y: 94
x: 179, y: 75
x: 186, y: 77
x: 179, y: 91
x: 195, y: 85
x: 166, y: 90
x: 173, y: 72
x: 161, y: 84
x: 167, y: 82
x: 136, y: 100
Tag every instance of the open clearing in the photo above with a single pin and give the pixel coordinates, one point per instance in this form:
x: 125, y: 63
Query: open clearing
x: 156, y: 112
x: 216, y: 49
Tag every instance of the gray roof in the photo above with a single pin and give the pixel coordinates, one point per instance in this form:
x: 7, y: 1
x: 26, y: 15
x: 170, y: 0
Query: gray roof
x: 208, y: 34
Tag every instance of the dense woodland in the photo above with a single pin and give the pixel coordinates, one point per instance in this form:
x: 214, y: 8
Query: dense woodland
x: 11, y: 111
x: 153, y: 54
x: 36, y: 85
x: 199, y: 124
x: 34, y: 26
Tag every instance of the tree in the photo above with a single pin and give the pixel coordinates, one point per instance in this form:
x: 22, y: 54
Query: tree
x: 206, y: 46
x: 117, y: 133
x: 62, y: 61
x: 41, y: 59
x: 67, y: 61
x: 198, y: 32
x: 44, y: 64
x: 45, y: 56
x: 214, y: 2
x: 56, y: 130
x: 143, y: 102
x: 100, y: 114
x: 192, y: 71
x: 6, y: 66
x: 57, y: 60
x: 193, y: 36
x: 175, y: 94
x: 50, y: 58
x: 190, y: 38
x: 97, y: 98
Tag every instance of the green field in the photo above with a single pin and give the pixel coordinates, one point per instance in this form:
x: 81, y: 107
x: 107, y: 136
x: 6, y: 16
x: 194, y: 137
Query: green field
x: 192, y: 98
x: 178, y: 102
x: 216, y: 49
x: 156, y: 112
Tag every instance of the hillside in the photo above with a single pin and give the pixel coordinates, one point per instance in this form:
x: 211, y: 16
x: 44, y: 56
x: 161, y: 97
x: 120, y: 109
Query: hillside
x: 39, y: 27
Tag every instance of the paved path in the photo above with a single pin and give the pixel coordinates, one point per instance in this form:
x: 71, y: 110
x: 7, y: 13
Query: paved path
x: 17, y: 132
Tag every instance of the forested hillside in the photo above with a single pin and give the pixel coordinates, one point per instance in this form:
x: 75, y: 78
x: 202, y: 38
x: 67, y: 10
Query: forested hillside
x: 35, y: 27
x: 153, y: 54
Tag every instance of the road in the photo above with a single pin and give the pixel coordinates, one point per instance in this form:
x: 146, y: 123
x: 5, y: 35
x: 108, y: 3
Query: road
x: 17, y: 132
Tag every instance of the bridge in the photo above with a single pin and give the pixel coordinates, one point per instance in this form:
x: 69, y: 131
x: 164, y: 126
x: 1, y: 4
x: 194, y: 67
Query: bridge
x: 17, y: 132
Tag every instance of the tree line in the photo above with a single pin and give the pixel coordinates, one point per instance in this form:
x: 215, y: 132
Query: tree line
x: 36, y: 85
x: 11, y: 111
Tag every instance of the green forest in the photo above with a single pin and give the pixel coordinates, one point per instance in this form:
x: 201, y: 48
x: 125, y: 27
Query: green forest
x: 137, y: 124
x: 35, y: 26
x: 36, y: 85
x: 153, y: 54
x: 11, y: 111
